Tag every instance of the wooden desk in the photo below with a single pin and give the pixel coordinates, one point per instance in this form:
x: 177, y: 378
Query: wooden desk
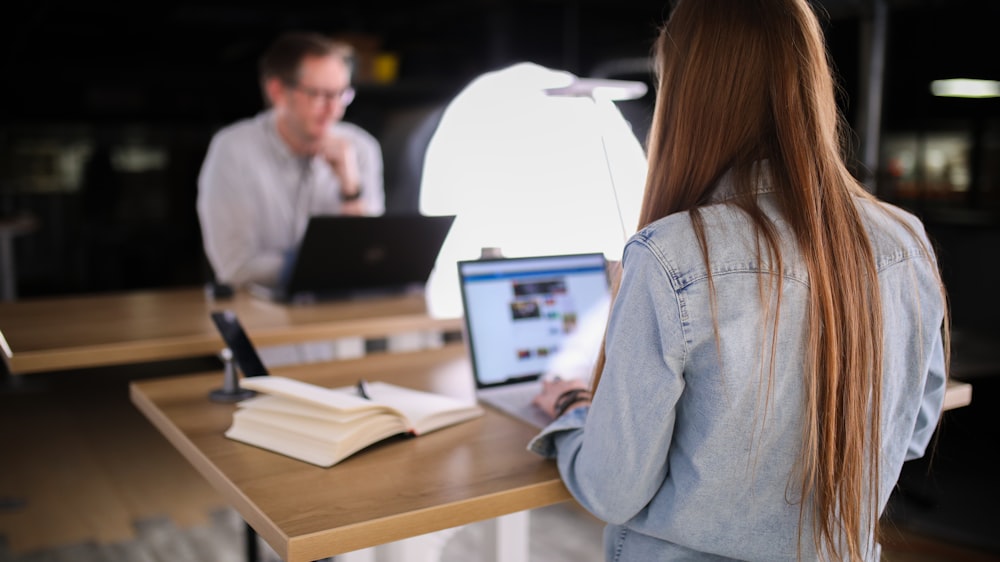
x: 113, y: 329
x: 957, y: 394
x: 474, y: 471
x: 470, y: 472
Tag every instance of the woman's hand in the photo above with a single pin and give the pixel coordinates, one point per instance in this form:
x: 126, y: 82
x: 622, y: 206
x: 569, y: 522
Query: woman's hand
x: 552, y: 390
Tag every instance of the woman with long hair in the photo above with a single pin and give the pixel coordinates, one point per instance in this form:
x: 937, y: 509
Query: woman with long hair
x: 777, y: 344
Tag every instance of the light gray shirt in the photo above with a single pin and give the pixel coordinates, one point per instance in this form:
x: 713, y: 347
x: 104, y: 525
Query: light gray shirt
x: 255, y: 196
x: 688, y: 452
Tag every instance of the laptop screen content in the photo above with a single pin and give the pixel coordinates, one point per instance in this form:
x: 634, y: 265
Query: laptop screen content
x: 519, y: 312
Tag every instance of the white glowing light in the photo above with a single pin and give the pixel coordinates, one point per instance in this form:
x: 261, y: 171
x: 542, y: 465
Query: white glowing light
x: 966, y: 88
x: 530, y: 173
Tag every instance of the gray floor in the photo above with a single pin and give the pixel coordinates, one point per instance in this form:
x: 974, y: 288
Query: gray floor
x: 559, y: 533
x: 157, y: 540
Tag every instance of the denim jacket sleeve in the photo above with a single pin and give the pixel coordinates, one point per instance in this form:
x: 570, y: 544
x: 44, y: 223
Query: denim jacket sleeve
x: 626, y: 433
x: 546, y: 442
x: 930, y: 407
x: 936, y: 380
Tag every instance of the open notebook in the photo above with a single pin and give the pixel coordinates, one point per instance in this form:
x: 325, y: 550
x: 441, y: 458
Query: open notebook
x: 324, y: 426
x: 530, y: 317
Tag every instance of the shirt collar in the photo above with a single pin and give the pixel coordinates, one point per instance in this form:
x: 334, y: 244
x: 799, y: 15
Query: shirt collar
x: 278, y: 144
x: 725, y: 189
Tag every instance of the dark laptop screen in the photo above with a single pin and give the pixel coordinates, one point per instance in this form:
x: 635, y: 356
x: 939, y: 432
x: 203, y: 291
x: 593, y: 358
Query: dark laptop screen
x: 341, y: 255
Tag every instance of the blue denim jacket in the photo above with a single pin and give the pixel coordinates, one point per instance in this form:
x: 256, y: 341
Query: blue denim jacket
x: 688, y: 454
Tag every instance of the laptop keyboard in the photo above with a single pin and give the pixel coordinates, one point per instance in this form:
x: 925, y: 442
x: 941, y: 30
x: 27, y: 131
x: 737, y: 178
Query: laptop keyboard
x: 515, y: 400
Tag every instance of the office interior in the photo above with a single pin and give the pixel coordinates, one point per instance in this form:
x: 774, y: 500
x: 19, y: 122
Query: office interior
x: 107, y: 112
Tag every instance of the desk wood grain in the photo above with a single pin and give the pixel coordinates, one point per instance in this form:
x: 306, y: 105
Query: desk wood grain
x: 402, y: 488
x: 113, y: 329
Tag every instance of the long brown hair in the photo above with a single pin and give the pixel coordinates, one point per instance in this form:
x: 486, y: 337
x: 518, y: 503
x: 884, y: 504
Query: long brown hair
x: 744, y: 81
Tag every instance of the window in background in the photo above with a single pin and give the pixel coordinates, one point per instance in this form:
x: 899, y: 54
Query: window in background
x: 931, y: 166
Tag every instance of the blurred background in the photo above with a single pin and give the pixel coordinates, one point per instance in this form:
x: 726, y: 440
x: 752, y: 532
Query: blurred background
x: 107, y: 110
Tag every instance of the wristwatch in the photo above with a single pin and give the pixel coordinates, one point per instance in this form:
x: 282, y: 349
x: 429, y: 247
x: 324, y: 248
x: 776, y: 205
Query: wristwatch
x: 348, y: 197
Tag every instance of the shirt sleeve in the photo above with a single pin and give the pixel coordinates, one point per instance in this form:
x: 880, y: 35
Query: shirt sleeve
x: 624, y: 436
x: 935, y: 385
x: 227, y: 216
x: 936, y: 379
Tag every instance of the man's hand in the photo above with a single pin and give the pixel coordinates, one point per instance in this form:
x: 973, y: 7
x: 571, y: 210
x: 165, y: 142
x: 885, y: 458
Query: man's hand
x: 340, y: 153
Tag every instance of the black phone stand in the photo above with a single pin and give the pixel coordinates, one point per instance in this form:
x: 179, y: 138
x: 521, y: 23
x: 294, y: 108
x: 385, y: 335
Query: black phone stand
x: 230, y: 391
x: 219, y: 291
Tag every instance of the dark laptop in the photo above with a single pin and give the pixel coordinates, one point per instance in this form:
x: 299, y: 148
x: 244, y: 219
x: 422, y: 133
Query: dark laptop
x: 347, y: 257
x: 525, y: 316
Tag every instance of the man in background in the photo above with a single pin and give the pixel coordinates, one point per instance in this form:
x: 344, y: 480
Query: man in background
x: 264, y: 176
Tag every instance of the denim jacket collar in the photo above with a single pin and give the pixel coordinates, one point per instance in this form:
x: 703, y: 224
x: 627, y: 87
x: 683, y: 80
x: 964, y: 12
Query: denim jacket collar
x: 725, y: 188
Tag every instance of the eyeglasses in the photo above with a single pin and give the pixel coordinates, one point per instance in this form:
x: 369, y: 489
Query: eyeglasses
x: 345, y: 96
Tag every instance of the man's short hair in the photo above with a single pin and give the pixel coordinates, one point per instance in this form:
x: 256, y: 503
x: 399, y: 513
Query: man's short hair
x: 284, y: 57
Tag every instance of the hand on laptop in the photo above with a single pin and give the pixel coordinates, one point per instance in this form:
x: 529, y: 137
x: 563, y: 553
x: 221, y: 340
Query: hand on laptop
x: 553, y: 389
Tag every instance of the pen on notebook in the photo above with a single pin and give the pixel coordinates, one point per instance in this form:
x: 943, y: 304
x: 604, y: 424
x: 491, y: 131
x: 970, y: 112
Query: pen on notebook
x: 363, y: 389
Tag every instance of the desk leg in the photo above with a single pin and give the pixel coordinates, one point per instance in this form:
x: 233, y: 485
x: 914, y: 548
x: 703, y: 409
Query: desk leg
x: 510, y: 537
x: 8, y: 277
x: 363, y: 555
x: 252, y: 548
x: 422, y: 548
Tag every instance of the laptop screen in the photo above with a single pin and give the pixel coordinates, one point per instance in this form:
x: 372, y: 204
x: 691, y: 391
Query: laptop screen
x: 519, y: 312
x: 342, y: 256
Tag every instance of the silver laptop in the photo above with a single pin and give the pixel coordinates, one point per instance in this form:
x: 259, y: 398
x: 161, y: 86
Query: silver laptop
x: 526, y: 318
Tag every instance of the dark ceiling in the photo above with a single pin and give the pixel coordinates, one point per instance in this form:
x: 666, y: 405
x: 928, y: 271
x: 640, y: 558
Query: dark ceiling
x: 196, y: 61
x: 162, y: 77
